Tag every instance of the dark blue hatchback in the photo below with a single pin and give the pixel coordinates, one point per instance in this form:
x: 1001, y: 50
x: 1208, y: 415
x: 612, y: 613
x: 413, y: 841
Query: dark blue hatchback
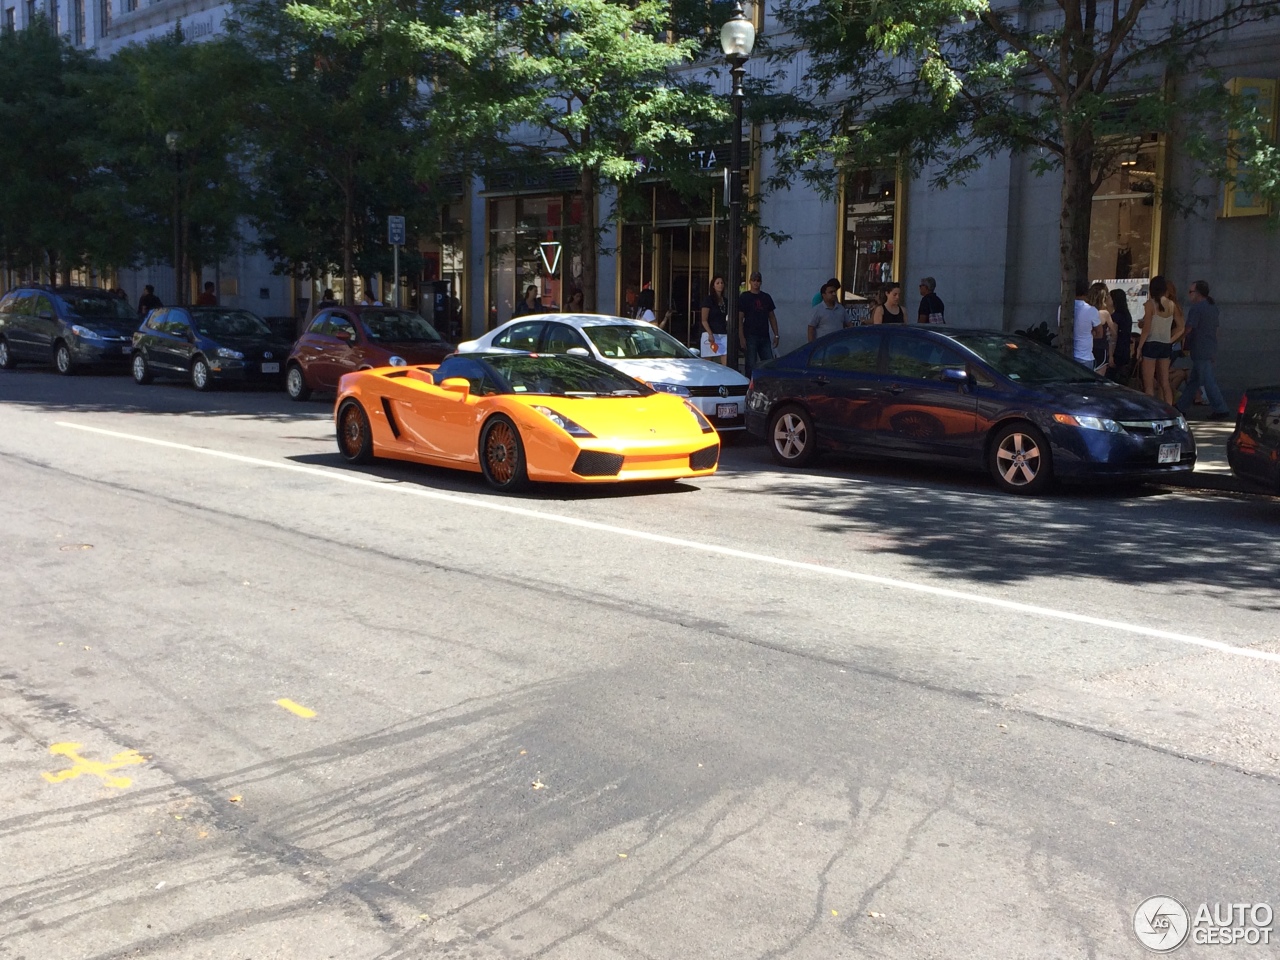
x: 1254, y: 447
x: 969, y: 398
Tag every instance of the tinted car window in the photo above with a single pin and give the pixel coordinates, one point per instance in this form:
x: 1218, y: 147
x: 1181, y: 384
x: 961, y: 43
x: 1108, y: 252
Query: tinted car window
x: 1023, y: 360
x: 92, y: 307
x: 23, y: 305
x: 921, y: 358
x: 217, y: 324
x: 43, y: 305
x: 561, y: 338
x: 564, y: 376
x: 7, y: 304
x: 319, y: 323
x: 856, y: 353
x: 520, y: 336
x: 156, y: 321
x: 398, y: 327
x: 339, y: 324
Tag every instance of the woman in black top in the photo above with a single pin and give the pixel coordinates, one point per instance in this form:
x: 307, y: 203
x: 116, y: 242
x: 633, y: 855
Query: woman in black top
x: 891, y: 310
x: 715, y: 322
x: 1123, y: 320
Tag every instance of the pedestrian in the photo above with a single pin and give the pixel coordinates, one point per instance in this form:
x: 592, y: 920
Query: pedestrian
x: 326, y: 299
x: 1201, y: 342
x: 828, y: 316
x: 644, y: 307
x: 207, y: 298
x: 1086, y: 325
x: 1162, y: 324
x: 575, y: 304
x: 1103, y: 346
x: 148, y: 301
x: 715, y: 322
x: 931, y: 308
x: 1123, y: 320
x: 758, y: 330
x: 890, y: 311
x: 817, y: 297
x: 530, y: 304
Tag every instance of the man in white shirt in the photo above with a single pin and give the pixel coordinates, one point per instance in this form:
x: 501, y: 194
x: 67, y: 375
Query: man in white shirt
x: 1086, y: 326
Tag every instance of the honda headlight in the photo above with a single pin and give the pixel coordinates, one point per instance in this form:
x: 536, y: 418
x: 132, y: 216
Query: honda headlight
x: 228, y: 354
x: 675, y: 388
x: 1182, y: 423
x: 698, y: 415
x: 1089, y: 423
x: 84, y: 333
x: 398, y: 362
x: 564, y: 423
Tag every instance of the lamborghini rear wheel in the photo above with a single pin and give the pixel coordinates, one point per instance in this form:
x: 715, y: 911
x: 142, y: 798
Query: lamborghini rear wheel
x: 502, y: 455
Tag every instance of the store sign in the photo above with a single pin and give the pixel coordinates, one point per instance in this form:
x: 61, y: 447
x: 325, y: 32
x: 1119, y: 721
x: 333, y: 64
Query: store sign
x: 550, y: 250
x: 703, y: 159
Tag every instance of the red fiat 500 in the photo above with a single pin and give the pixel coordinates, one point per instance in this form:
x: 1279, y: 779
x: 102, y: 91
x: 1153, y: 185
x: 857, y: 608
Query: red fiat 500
x: 340, y: 340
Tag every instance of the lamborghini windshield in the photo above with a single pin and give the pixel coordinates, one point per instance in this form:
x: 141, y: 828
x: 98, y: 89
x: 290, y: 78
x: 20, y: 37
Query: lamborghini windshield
x: 563, y: 376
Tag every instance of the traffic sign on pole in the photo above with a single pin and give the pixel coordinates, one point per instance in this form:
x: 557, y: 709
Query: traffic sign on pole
x: 395, y: 231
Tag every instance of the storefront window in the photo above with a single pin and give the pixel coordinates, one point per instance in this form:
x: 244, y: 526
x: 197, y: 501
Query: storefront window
x: 671, y: 253
x: 532, y: 242
x: 1123, y: 226
x: 868, y: 256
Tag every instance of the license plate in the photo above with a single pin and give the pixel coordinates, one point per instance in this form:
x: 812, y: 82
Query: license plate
x: 726, y: 411
x: 1170, y: 452
x: 271, y: 368
x: 127, y: 349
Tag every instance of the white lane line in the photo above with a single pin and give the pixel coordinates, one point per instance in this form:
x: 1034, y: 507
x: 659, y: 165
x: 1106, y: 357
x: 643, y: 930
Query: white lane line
x: 468, y: 501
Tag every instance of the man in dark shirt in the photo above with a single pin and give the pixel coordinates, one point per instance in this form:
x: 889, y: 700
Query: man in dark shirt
x: 1201, y: 341
x: 931, y: 309
x: 758, y: 331
x: 148, y: 301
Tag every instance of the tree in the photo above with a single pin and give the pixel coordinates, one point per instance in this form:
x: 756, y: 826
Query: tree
x: 42, y: 113
x: 338, y: 130
x: 588, y: 85
x: 141, y: 177
x: 947, y: 83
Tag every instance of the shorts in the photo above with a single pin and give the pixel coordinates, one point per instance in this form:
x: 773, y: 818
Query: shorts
x: 721, y: 342
x: 1151, y: 350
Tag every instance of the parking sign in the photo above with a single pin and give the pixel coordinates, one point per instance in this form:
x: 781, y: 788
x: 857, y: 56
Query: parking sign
x: 395, y: 231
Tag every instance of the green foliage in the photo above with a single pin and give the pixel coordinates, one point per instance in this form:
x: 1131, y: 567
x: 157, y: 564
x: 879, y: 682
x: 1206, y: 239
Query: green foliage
x: 43, y: 116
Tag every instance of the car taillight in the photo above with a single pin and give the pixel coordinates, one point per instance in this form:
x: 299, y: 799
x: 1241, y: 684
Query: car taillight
x: 751, y: 384
x: 1244, y: 402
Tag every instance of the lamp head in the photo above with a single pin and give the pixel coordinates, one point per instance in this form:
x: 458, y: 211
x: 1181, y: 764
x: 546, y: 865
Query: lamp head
x: 737, y: 36
x: 173, y: 141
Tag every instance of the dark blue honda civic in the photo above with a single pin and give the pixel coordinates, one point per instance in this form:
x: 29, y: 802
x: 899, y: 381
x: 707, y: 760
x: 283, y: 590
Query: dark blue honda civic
x: 974, y: 399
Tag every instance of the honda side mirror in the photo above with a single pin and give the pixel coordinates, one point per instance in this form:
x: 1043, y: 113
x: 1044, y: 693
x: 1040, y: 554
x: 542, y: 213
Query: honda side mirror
x: 957, y: 375
x: 45, y: 315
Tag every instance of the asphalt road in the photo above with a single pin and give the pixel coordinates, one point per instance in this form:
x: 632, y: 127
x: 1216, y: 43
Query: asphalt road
x: 857, y: 711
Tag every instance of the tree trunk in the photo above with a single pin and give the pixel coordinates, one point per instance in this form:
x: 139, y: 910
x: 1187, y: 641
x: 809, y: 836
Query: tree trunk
x: 1073, y: 227
x: 348, y: 278
x: 587, y: 243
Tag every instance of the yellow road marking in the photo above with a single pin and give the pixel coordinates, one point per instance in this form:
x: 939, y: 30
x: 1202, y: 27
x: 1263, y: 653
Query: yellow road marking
x: 297, y: 708
x: 79, y: 765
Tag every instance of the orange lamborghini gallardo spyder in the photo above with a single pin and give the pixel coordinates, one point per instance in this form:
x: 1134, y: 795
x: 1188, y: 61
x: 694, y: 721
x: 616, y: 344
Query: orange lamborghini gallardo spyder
x: 520, y: 417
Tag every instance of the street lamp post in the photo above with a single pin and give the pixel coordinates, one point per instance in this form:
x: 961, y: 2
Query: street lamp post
x: 737, y: 37
x: 173, y: 141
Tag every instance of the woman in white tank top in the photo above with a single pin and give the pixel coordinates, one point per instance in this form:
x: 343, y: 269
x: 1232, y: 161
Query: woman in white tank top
x: 1162, y: 326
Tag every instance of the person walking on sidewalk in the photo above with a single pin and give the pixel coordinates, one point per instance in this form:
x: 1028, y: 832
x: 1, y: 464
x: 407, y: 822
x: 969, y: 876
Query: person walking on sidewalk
x: 758, y: 332
x: 1202, y: 343
x: 931, y: 308
x: 828, y: 316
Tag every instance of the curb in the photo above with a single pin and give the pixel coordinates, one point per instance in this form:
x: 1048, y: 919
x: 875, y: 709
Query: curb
x: 1222, y: 483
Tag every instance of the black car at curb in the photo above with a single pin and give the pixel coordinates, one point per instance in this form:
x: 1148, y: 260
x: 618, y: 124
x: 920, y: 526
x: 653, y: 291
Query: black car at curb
x: 1253, y: 450
x: 70, y: 327
x: 972, y: 399
x: 208, y: 346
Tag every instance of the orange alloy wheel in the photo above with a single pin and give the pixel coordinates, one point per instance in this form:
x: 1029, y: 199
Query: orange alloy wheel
x: 355, y: 441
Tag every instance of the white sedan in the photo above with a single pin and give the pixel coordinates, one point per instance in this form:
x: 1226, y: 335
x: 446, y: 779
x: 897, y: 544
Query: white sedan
x: 633, y: 347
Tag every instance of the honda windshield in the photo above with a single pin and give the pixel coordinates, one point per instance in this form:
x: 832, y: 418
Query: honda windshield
x: 1023, y: 360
